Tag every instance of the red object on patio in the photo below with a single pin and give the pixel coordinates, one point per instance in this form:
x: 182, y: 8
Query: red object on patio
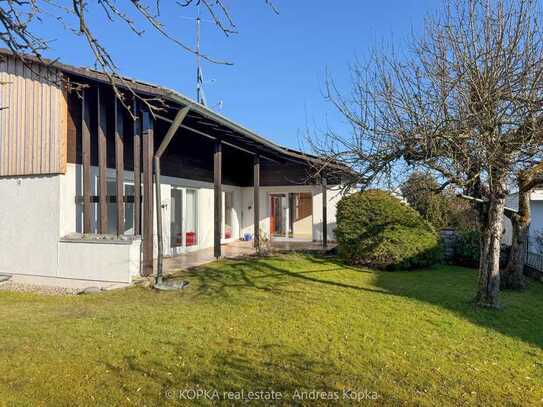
x: 190, y: 238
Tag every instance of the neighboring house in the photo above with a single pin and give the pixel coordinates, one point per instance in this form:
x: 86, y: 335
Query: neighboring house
x: 397, y: 193
x: 69, y: 180
x: 536, y: 225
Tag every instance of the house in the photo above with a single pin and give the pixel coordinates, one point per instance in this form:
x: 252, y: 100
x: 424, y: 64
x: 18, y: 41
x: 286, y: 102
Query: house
x: 536, y: 225
x: 76, y: 177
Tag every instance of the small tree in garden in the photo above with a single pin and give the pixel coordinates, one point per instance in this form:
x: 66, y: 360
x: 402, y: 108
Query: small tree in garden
x: 421, y: 192
x: 441, y: 207
x: 464, y: 103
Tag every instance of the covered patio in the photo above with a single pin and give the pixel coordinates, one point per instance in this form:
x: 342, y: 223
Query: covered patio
x: 236, y: 250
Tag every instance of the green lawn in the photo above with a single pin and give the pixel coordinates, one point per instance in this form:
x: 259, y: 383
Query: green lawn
x: 282, y: 324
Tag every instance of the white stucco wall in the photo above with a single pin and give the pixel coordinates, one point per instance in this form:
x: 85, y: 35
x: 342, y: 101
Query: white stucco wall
x: 536, y: 225
x: 333, y: 195
x: 116, y: 262
x: 29, y: 224
x: 36, y: 211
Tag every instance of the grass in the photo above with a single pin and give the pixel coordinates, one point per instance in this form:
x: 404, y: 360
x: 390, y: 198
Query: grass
x: 282, y: 324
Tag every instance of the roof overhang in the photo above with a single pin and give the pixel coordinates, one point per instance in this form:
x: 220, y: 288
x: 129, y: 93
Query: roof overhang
x: 201, y: 119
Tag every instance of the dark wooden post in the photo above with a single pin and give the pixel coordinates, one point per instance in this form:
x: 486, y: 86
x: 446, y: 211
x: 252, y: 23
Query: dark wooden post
x: 102, y: 162
x: 324, y: 214
x: 148, y: 151
x: 256, y: 201
x: 158, y: 204
x: 86, y: 160
x: 217, y: 173
x: 119, y: 165
x: 179, y: 117
x: 137, y: 168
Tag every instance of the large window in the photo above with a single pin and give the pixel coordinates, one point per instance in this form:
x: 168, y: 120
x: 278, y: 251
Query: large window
x: 228, y: 215
x: 191, y: 218
x: 176, y: 218
x: 291, y: 216
x: 129, y: 213
x: 128, y: 226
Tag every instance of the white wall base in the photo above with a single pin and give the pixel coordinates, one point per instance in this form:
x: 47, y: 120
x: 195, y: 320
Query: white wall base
x: 69, y: 283
x: 107, y: 261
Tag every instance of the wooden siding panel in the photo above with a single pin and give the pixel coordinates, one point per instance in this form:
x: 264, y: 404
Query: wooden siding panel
x: 4, y: 101
x: 63, y: 132
x: 28, y: 124
x: 36, y: 163
x: 33, y: 128
x: 12, y: 117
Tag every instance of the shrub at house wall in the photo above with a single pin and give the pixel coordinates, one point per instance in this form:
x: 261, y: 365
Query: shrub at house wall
x: 467, y: 248
x: 375, y: 229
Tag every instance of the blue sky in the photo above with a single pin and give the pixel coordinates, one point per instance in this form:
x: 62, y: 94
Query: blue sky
x: 275, y: 86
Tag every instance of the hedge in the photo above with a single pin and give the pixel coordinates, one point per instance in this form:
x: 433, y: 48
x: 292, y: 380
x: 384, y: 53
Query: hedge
x: 467, y: 248
x: 376, y: 229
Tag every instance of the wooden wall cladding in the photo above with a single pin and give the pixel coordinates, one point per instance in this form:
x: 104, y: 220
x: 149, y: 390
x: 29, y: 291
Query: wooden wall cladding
x: 33, y: 119
x: 188, y: 156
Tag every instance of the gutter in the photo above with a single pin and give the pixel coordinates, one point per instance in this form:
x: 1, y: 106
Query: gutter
x: 479, y: 200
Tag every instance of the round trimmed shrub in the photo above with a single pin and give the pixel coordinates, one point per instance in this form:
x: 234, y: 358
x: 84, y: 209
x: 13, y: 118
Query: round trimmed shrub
x: 376, y: 229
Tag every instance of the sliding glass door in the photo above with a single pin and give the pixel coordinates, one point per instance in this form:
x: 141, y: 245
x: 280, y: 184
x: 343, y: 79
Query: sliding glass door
x: 191, y: 218
x: 183, y: 219
x: 228, y: 215
x: 176, y: 218
x: 291, y: 216
x: 278, y: 215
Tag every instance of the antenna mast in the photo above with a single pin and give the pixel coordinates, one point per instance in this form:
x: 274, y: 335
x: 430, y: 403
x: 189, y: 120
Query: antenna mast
x: 200, y: 95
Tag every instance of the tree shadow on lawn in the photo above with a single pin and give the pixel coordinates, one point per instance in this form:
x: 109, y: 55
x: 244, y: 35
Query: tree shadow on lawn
x: 264, y: 367
x: 454, y: 288
x: 449, y: 287
x: 261, y: 274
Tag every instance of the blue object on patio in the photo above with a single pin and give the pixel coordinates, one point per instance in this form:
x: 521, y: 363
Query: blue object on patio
x: 247, y: 237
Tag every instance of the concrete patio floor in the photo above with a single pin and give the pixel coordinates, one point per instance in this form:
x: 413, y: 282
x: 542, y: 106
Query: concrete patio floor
x: 237, y: 249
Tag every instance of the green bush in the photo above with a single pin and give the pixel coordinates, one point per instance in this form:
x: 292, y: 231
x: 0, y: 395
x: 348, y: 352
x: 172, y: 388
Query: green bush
x: 375, y: 229
x: 467, y: 248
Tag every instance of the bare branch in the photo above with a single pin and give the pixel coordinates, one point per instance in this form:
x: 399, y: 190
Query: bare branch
x: 19, y: 20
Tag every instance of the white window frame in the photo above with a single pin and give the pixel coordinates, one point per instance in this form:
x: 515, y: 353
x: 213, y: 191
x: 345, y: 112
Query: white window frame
x: 197, y: 220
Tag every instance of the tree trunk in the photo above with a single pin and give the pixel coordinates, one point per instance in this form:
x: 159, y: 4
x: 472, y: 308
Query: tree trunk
x: 491, y: 234
x: 512, y: 277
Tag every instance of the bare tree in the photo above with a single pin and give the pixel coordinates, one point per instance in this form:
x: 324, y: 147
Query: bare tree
x: 463, y: 102
x: 19, y: 20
